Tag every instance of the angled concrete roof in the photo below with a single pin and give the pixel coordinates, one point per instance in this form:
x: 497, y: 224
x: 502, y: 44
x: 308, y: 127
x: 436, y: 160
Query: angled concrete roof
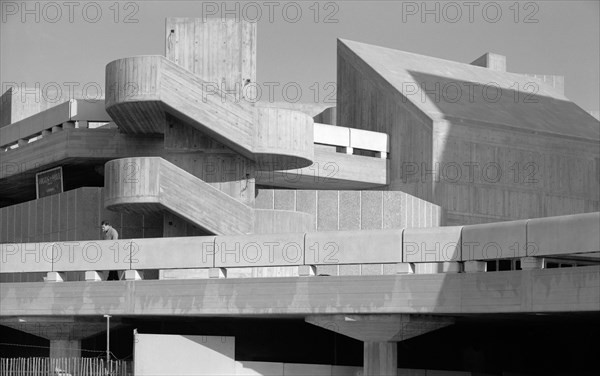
x: 467, y: 92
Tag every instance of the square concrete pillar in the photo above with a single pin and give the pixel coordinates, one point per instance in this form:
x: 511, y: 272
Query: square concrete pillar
x: 307, y: 270
x: 438, y: 267
x: 55, y: 277
x: 134, y: 275
x: 451, y: 267
x: 530, y: 263
x: 405, y: 268
x: 475, y: 266
x: 380, y: 359
x: 94, y: 276
x: 217, y: 273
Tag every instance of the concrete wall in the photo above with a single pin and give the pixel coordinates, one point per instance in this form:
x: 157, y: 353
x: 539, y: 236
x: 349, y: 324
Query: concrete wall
x: 18, y: 103
x: 481, y: 160
x: 72, y: 215
x: 366, y: 101
x: 354, y: 210
x: 203, y: 45
x: 484, y: 173
x: 168, y: 355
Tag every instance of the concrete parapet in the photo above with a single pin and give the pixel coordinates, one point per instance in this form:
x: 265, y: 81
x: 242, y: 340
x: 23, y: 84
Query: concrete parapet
x: 432, y: 244
x: 492, y: 241
x: 348, y: 247
x: 565, y: 234
x: 263, y: 250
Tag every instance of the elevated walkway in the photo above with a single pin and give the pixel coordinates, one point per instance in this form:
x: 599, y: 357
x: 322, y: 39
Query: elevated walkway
x: 427, y: 271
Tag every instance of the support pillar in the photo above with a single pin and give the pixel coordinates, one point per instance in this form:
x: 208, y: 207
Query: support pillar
x: 64, y: 333
x: 380, y: 359
x: 380, y: 334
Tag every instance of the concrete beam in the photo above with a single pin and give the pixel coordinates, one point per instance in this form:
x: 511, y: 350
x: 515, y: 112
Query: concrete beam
x: 380, y: 328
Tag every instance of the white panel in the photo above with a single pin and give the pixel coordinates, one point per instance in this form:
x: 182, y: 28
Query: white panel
x: 369, y: 140
x: 331, y: 135
x: 168, y: 355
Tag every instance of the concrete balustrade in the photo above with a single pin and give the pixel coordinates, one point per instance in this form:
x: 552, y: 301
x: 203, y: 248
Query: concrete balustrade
x: 353, y: 247
x: 173, y: 253
x: 60, y: 116
x: 369, y: 140
x: 331, y: 135
x: 578, y: 233
x: 263, y: 250
x: 351, y: 138
x: 440, y: 244
x: 492, y: 241
x: 420, y: 251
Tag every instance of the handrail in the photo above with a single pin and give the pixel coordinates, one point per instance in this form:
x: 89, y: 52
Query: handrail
x: 428, y: 245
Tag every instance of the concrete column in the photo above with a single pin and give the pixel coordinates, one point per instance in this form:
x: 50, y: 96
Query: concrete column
x: 475, y: 266
x: 380, y: 359
x: 437, y: 267
x: 529, y: 263
x: 405, y: 268
x: 63, y: 348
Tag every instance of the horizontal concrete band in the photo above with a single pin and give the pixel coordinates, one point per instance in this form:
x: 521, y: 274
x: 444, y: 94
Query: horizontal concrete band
x: 523, y: 291
x: 527, y: 238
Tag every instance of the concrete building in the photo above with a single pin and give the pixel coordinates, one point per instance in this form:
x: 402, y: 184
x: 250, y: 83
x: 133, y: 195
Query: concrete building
x: 443, y: 217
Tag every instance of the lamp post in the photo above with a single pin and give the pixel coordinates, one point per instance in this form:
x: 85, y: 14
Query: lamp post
x: 107, y: 339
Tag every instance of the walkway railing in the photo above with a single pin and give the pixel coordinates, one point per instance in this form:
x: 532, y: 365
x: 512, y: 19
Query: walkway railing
x: 63, y: 367
x: 423, y: 250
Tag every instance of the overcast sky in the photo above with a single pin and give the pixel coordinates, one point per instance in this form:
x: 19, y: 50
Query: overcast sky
x: 70, y: 43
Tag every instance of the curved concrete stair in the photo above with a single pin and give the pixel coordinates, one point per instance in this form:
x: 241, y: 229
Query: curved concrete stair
x: 142, y: 89
x: 151, y: 183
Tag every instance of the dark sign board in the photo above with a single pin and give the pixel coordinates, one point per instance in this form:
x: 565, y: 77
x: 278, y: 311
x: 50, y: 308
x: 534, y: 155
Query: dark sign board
x: 49, y: 182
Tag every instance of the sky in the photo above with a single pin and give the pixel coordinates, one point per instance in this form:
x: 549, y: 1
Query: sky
x: 68, y: 43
